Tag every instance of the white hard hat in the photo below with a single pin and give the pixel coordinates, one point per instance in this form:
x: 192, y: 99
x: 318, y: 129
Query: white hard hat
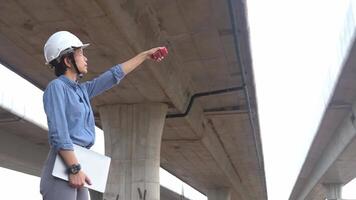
x: 60, y: 43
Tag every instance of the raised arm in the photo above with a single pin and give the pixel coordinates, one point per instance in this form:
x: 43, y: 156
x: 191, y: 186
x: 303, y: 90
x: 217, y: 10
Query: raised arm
x: 134, y: 62
x: 113, y: 76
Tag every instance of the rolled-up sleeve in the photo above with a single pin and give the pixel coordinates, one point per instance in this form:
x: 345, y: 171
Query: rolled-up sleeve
x: 54, y: 105
x: 105, y: 81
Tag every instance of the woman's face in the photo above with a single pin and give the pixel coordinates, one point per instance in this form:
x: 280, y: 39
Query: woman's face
x: 81, y: 61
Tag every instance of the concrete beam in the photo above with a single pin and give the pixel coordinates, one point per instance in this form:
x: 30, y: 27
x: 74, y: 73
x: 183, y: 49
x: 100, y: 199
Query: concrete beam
x: 342, y: 137
x: 18, y: 153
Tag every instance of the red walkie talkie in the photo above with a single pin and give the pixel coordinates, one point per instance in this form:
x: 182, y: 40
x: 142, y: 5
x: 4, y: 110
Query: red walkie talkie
x: 161, y: 52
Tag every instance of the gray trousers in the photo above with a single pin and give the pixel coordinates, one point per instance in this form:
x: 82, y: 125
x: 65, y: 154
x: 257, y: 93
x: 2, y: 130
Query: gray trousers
x: 53, y: 188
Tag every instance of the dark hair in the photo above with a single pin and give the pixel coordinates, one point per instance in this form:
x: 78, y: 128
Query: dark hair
x: 59, y: 67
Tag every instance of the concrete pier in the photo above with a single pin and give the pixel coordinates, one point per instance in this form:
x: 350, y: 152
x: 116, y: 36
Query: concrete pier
x: 133, y: 141
x: 334, y: 191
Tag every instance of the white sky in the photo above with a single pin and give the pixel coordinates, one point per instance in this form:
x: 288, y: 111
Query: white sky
x: 296, y: 59
x: 296, y: 56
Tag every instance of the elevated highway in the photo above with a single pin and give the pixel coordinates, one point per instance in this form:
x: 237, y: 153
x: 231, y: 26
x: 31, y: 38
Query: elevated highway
x: 199, y: 105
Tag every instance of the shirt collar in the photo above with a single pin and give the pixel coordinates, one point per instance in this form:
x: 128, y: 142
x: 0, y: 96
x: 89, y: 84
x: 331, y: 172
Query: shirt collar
x: 69, y: 82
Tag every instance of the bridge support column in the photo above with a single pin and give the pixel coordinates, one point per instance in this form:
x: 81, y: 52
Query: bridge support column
x: 219, y: 194
x: 333, y: 191
x: 133, y: 141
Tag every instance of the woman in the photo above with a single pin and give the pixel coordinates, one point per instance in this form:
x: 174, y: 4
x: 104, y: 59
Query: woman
x: 69, y: 114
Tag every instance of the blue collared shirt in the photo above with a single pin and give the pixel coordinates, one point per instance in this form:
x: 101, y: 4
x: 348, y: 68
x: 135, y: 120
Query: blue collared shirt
x: 69, y: 114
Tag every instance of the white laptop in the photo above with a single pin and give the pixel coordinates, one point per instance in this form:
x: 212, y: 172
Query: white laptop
x: 96, y: 167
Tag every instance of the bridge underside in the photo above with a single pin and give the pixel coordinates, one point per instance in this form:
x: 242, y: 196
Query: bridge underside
x: 217, y: 144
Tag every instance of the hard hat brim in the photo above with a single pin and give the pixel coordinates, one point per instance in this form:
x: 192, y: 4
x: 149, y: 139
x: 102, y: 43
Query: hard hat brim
x: 82, y: 46
x: 85, y: 45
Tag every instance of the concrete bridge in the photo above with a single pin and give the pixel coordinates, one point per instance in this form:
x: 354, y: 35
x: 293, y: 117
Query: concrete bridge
x: 194, y: 114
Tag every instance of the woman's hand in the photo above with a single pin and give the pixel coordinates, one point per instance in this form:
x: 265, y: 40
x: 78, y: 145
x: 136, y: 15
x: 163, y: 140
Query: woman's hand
x: 134, y: 62
x: 78, y: 180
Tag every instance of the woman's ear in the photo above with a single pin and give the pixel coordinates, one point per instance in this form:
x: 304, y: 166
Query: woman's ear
x: 67, y: 62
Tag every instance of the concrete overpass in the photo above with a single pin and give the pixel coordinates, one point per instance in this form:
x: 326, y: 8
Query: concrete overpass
x: 331, y: 160
x: 199, y: 105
